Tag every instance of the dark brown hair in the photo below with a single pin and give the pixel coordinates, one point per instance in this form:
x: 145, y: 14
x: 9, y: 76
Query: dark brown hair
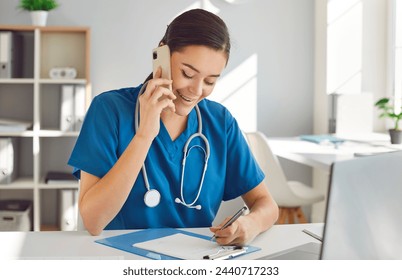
x: 197, y: 27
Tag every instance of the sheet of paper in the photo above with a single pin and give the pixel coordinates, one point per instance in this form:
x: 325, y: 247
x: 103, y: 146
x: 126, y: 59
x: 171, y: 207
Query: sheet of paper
x: 182, y: 246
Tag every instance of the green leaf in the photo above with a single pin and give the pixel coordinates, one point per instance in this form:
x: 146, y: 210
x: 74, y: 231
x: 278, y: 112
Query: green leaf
x: 388, y: 111
x: 38, y: 5
x: 382, y: 102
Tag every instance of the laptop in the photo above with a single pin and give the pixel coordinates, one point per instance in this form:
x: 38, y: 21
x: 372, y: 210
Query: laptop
x: 364, y: 212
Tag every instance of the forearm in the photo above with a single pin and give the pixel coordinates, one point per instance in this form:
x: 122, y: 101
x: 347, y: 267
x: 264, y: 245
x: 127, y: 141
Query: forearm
x: 263, y: 213
x: 100, y: 201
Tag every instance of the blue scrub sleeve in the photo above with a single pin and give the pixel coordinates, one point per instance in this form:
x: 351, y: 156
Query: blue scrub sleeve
x: 95, y: 149
x: 243, y: 172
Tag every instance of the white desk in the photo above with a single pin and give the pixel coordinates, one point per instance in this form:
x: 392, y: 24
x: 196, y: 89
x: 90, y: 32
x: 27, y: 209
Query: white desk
x: 321, y: 157
x: 81, y: 245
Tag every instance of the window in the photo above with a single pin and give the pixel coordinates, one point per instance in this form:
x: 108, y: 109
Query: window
x: 395, y: 52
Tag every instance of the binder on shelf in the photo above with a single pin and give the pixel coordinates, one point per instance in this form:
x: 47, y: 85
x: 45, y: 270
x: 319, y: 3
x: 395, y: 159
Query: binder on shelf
x: 68, y: 209
x: 8, y: 160
x: 79, y: 107
x: 5, y: 55
x: 10, y: 55
x: 72, y: 110
x: 67, y: 108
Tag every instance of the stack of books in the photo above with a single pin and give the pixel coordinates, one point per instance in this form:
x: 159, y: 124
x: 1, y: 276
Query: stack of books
x: 9, y: 125
x: 57, y: 177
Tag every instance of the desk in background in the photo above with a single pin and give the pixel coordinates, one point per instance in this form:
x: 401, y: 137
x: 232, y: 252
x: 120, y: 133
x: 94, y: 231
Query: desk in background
x: 73, y: 245
x: 321, y: 156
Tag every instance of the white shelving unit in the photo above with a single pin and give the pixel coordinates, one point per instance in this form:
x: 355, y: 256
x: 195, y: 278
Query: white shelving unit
x: 35, y: 97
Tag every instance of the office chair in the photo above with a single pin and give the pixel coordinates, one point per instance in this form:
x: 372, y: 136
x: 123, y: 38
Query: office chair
x: 289, y: 195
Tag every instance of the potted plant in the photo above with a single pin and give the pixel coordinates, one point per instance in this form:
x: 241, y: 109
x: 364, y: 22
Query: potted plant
x: 388, y: 112
x: 39, y: 9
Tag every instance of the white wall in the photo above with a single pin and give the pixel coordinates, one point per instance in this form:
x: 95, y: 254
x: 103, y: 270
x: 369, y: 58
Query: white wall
x: 279, y: 33
x: 373, y: 58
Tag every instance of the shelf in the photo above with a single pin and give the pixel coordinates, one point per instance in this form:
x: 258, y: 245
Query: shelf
x: 30, y: 95
x: 57, y: 133
x: 44, y: 186
x: 41, y: 133
x: 17, y: 27
x: 63, y: 81
x: 19, y: 184
x: 27, y: 133
x: 53, y: 51
x: 17, y: 81
x: 49, y: 228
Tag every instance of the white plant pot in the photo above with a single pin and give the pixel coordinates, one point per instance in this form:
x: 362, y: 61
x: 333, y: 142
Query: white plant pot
x: 39, y: 18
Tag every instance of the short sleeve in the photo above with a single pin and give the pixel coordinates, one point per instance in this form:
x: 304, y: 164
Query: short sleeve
x: 243, y: 172
x: 95, y: 148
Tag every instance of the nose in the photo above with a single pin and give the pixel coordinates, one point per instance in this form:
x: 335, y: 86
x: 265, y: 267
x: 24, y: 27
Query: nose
x: 196, y: 87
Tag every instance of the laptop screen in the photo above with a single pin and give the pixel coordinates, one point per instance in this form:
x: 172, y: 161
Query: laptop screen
x: 364, y: 209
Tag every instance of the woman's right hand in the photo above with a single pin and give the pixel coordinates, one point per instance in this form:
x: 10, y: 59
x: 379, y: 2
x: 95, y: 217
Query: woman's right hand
x: 156, y: 98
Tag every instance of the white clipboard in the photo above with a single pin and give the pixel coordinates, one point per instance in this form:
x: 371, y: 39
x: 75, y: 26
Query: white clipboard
x: 188, y: 247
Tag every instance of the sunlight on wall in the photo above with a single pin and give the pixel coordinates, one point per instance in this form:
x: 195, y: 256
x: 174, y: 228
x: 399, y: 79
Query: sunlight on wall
x: 237, y: 90
x: 344, y: 46
x: 203, y: 4
x: 207, y: 5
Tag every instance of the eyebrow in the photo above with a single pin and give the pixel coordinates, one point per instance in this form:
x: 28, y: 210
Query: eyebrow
x: 198, y: 71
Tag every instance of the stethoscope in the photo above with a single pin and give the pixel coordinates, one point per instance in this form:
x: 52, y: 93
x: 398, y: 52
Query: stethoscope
x: 152, y: 196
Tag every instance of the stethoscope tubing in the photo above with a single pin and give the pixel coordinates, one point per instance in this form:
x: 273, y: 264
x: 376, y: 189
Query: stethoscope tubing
x: 186, y: 152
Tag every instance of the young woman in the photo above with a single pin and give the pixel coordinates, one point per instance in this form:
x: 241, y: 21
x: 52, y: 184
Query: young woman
x: 133, y: 175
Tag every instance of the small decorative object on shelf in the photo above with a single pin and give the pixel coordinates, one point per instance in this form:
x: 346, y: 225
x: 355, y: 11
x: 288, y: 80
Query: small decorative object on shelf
x: 63, y: 73
x: 39, y: 10
x: 389, y: 111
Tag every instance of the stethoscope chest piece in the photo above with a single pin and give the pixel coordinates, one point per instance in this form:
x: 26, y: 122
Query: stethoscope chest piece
x: 152, y: 198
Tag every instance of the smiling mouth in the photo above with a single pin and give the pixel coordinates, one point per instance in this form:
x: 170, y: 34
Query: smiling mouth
x: 184, y: 97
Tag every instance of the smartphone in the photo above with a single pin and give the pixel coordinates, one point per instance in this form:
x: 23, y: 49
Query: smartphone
x: 161, y: 58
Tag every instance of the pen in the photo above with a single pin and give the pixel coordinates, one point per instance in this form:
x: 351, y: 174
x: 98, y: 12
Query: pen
x: 234, y: 218
x: 226, y: 253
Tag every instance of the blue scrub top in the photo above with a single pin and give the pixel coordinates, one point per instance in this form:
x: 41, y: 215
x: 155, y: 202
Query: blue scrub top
x: 232, y: 170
